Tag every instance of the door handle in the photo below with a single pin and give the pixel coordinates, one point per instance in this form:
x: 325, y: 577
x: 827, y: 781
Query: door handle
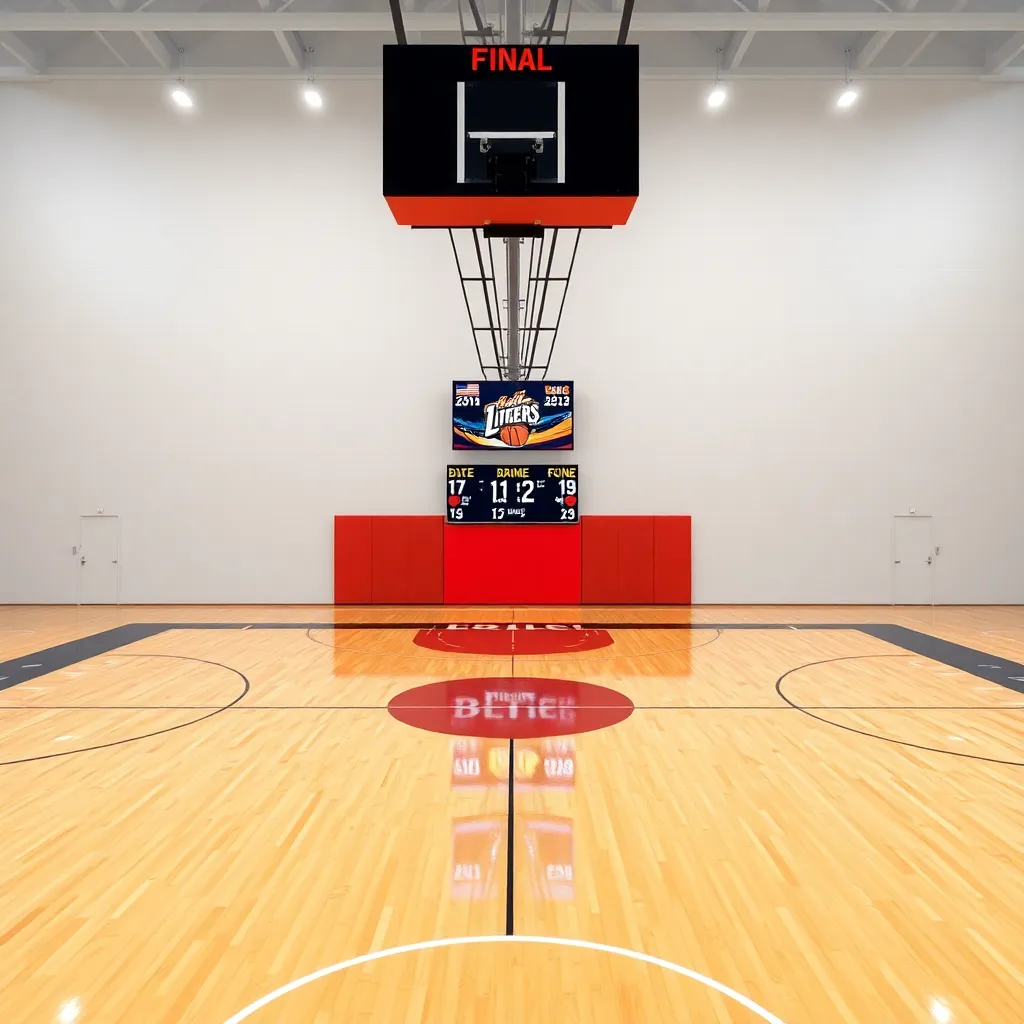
x: 897, y: 562
x: 929, y: 559
x: 113, y: 561
x: 83, y: 559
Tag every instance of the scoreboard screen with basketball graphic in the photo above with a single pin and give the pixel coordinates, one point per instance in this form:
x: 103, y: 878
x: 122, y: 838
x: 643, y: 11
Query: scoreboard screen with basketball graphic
x: 502, y: 414
x: 513, y: 494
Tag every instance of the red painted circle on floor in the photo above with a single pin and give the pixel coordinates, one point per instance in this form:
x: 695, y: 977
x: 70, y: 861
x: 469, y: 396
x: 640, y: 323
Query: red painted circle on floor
x: 512, y: 638
x: 511, y: 708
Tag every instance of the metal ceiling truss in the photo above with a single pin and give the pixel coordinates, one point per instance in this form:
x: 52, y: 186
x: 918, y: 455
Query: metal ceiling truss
x: 982, y: 38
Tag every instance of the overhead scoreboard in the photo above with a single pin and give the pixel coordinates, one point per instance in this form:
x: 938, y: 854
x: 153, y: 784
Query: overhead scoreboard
x: 513, y: 494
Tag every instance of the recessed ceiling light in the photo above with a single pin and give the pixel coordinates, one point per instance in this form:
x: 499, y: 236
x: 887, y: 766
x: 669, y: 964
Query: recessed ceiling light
x: 847, y: 97
x: 312, y: 97
x: 717, y: 96
x: 940, y: 1012
x: 181, y: 97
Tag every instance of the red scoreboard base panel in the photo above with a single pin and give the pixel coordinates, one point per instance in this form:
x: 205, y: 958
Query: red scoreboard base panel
x: 424, y: 560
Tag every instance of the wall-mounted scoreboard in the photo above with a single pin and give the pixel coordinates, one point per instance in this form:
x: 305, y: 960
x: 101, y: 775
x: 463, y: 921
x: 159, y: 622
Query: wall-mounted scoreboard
x: 513, y: 494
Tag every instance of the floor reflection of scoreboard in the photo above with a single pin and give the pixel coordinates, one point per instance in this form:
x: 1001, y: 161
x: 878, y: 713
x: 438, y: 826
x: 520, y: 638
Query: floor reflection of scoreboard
x: 544, y: 839
x: 549, y: 762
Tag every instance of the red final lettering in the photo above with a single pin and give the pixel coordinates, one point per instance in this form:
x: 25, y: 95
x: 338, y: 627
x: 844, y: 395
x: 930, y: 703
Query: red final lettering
x: 509, y: 58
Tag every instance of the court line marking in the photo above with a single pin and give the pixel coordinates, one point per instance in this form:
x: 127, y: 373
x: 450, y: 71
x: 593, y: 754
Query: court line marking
x: 470, y: 940
x: 148, y: 735
x: 863, y: 732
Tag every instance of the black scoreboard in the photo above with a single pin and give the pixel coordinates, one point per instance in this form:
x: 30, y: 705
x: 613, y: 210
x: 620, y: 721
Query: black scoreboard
x: 513, y: 494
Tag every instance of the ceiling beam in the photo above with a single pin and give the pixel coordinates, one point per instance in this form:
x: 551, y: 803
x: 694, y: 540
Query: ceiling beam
x: 736, y: 49
x: 584, y: 21
x: 785, y: 73
x: 1003, y: 56
x: 69, y: 5
x: 291, y: 46
x: 22, y: 52
x: 864, y: 56
x: 161, y: 51
x: 739, y: 43
x: 931, y: 37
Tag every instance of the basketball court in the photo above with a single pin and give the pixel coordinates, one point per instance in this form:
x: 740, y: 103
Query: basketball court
x: 249, y: 814
x: 511, y: 512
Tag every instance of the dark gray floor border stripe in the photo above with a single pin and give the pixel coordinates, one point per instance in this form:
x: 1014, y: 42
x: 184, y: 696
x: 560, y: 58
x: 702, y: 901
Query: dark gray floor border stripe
x: 977, y: 663
x: 990, y: 667
x: 41, y: 663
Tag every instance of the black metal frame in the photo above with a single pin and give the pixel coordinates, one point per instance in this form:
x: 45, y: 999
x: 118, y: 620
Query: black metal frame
x: 398, y: 21
x: 541, y: 303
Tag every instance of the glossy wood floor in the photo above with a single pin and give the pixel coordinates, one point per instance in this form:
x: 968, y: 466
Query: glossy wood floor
x: 822, y: 873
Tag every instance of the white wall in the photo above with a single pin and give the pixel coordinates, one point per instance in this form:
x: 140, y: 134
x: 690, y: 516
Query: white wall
x: 813, y: 321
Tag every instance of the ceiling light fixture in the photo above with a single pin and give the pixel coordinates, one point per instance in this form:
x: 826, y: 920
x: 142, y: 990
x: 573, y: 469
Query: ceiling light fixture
x: 718, y: 94
x: 850, y: 92
x: 311, y: 94
x: 181, y: 95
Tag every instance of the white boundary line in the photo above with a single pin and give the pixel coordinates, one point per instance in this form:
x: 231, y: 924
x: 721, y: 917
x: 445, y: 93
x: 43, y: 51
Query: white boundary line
x: 470, y: 940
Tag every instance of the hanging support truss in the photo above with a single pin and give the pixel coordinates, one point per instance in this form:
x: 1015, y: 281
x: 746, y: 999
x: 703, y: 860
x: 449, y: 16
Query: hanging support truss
x: 545, y: 262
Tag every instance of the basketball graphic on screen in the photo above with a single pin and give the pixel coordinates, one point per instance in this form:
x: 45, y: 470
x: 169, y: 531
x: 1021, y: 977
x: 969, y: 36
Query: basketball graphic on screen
x: 515, y: 435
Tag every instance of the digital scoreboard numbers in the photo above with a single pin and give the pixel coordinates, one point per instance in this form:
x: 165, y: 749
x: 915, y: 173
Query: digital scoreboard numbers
x: 513, y: 494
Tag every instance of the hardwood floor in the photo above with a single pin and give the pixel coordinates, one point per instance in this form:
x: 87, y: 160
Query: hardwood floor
x: 826, y: 825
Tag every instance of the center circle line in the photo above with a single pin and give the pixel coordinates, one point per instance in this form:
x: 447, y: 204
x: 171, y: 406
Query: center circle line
x: 471, y: 940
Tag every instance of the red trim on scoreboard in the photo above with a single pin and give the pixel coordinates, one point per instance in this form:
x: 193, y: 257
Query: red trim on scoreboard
x: 478, y: 211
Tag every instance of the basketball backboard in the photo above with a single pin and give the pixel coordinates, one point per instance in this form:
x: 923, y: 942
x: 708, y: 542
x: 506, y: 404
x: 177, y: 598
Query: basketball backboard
x: 512, y: 135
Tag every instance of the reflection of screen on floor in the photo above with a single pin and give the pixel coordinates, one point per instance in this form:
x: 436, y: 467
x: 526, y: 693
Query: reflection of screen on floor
x: 549, y: 762
x: 549, y: 843
x: 476, y: 843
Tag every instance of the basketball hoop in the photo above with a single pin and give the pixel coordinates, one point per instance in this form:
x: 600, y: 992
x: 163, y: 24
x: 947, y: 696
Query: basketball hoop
x: 513, y: 142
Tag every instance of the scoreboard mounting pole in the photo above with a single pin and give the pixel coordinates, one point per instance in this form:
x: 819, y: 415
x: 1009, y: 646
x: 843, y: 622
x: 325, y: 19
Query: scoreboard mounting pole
x: 513, y: 21
x: 513, y: 34
x: 512, y: 242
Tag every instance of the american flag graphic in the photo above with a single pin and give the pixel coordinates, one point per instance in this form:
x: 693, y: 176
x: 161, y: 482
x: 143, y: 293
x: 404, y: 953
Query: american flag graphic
x: 472, y: 390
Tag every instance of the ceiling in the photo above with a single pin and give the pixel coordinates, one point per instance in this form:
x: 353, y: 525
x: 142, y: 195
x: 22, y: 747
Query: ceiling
x: 77, y: 39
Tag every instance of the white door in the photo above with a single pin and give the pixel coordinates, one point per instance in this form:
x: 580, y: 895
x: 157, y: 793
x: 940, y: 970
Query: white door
x: 912, y: 556
x: 99, y: 554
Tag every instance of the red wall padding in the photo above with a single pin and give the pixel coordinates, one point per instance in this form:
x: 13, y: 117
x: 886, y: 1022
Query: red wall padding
x: 504, y: 564
x: 600, y: 559
x: 673, y: 568
x: 636, y: 559
x: 406, y: 560
x: 352, y: 559
x: 423, y: 560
